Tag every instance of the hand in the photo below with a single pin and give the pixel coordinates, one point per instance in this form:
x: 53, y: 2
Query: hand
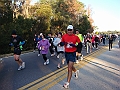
x: 62, y: 43
x: 11, y: 44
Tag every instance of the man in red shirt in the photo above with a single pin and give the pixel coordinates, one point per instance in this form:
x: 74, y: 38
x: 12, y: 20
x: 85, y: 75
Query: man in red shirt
x: 69, y: 40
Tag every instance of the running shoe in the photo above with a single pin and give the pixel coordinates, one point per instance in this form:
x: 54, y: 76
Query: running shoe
x: 77, y: 62
x: 58, y: 67
x: 47, y: 62
x: 81, y: 58
x: 57, y: 56
x: 76, y: 74
x: 66, y: 85
x: 20, y: 68
x: 38, y: 55
x: 23, y: 65
x: 53, y: 54
x: 34, y: 51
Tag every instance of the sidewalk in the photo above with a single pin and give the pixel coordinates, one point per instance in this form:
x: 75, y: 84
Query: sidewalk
x: 102, y: 72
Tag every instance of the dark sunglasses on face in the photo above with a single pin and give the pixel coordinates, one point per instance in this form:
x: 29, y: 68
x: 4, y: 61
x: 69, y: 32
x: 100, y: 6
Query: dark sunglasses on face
x: 69, y: 29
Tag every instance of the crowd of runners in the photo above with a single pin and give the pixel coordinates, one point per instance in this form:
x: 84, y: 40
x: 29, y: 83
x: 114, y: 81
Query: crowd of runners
x: 66, y: 47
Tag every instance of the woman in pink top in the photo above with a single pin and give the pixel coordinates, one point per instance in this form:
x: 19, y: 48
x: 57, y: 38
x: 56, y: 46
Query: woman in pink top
x: 44, y: 47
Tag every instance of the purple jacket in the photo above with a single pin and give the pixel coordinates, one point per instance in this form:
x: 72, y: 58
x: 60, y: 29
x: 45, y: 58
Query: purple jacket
x: 44, y: 46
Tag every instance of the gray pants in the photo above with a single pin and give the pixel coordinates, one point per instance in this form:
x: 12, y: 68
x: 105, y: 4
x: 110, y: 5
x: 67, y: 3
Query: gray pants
x: 61, y: 57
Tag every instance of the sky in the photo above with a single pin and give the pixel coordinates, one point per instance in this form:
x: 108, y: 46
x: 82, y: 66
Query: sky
x: 105, y: 13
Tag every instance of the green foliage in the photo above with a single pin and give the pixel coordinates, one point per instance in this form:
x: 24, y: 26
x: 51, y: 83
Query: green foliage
x: 47, y: 16
x: 84, y: 25
x: 23, y: 28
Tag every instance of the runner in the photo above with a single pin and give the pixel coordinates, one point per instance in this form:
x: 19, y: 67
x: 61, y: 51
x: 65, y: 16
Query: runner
x: 16, y: 42
x: 70, y: 40
x: 43, y: 45
x: 60, y: 50
x: 35, y: 42
x: 38, y: 39
x: 50, y: 38
x: 93, y: 41
x: 97, y: 40
x: 79, y: 47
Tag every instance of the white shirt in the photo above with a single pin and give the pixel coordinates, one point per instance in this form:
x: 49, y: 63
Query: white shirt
x: 56, y: 43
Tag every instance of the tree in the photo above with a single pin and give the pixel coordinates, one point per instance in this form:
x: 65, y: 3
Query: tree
x: 43, y: 14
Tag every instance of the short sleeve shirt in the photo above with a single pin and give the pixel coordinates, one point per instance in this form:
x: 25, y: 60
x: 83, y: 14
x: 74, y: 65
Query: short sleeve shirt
x: 68, y: 39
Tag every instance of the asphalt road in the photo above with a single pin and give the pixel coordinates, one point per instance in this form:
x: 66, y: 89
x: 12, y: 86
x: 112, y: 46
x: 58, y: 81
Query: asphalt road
x: 11, y: 79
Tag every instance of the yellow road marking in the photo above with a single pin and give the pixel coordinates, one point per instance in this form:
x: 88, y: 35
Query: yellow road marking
x: 38, y: 80
x: 58, y: 75
x: 78, y: 66
x: 50, y: 79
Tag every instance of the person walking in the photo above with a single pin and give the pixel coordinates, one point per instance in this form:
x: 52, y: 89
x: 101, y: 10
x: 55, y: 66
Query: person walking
x: 69, y: 40
x: 60, y: 50
x: 16, y: 42
x: 110, y: 42
x: 88, y: 43
x: 43, y: 45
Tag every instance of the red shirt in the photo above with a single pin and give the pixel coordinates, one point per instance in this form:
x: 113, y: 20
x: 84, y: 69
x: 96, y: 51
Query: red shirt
x: 67, y: 39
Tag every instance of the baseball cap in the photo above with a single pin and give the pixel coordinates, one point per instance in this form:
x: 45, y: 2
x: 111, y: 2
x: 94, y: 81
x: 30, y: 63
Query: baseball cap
x: 69, y: 27
x: 41, y: 34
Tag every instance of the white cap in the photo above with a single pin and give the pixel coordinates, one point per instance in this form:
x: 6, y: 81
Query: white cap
x: 70, y: 27
x: 40, y: 34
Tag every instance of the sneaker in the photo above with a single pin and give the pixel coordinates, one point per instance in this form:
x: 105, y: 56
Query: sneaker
x: 58, y: 67
x: 47, y: 62
x: 23, y: 65
x: 20, y: 68
x: 34, y: 51
x: 77, y: 62
x: 81, y: 57
x: 76, y: 74
x: 52, y: 54
x: 66, y: 85
x: 57, y: 56
x: 38, y: 55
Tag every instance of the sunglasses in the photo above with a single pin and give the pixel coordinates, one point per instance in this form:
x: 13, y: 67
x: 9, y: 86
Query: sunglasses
x: 69, y: 29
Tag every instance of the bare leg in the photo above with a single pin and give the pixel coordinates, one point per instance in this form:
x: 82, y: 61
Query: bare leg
x: 19, y: 61
x: 70, y: 69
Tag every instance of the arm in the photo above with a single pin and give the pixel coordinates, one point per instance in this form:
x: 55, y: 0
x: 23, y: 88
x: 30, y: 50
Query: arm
x: 55, y: 43
x: 22, y: 42
x: 39, y: 45
x: 48, y: 44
